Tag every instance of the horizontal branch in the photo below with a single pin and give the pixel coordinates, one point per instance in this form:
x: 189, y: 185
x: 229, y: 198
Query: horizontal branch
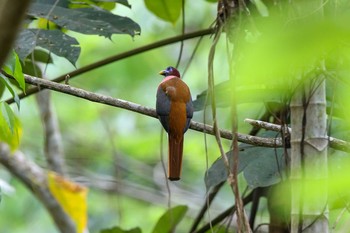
x: 35, y: 179
x: 119, y: 103
x: 197, y: 126
x: 333, y: 142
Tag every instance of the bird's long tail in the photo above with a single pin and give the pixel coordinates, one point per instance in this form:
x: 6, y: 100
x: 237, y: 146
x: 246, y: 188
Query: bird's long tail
x: 175, y: 157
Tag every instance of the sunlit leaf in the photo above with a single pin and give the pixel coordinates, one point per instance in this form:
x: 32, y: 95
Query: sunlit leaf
x: 263, y: 11
x: 120, y: 230
x: 7, y: 84
x: 72, y: 198
x: 169, y: 220
x: 105, y: 4
x: 168, y: 10
x: 10, y: 127
x: 13, y: 67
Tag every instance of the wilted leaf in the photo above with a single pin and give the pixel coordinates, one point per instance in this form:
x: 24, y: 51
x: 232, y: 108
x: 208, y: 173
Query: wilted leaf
x: 119, y: 230
x: 10, y: 127
x: 72, y: 198
x: 168, y: 10
x: 170, y: 219
x: 87, y: 20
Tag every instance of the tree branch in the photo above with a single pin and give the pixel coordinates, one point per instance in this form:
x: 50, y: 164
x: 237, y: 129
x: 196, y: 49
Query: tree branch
x: 35, y: 179
x: 53, y: 140
x: 197, y: 126
x: 333, y: 142
x: 117, y: 57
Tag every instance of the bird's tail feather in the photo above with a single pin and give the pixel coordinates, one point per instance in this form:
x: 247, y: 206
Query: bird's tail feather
x: 175, y: 157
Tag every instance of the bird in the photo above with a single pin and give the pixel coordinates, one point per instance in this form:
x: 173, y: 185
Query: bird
x: 175, y: 110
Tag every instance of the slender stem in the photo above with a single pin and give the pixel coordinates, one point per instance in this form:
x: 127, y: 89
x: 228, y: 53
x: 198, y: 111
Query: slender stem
x: 117, y: 57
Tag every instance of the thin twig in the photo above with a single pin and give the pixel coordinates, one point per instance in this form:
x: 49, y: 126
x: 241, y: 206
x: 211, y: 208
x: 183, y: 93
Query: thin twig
x: 206, y: 206
x: 224, y: 214
x: 117, y: 57
x: 183, y: 33
x: 333, y: 142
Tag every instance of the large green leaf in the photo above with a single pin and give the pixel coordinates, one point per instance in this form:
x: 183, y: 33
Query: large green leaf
x: 25, y: 43
x: 261, y: 166
x: 119, y: 230
x: 89, y: 21
x: 58, y: 43
x: 170, y: 219
x: 168, y: 10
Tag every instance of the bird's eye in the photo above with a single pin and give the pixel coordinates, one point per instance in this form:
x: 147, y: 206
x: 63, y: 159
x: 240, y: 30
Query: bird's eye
x: 169, y: 69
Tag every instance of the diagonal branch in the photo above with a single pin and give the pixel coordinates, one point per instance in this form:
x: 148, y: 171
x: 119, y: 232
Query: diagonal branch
x: 35, y: 179
x: 117, y: 57
x: 130, y: 106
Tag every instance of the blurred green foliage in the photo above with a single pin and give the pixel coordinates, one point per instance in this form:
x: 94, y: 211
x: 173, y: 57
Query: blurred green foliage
x: 117, y: 153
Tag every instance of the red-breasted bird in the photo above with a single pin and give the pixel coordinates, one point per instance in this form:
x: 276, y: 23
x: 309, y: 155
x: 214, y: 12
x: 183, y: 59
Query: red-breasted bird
x: 175, y: 110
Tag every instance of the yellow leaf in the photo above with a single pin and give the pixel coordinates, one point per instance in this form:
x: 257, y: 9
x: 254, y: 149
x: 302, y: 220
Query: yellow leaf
x: 72, y: 198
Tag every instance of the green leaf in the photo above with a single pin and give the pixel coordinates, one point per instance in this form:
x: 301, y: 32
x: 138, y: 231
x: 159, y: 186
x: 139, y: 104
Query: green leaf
x: 115, y: 24
x: 263, y: 11
x: 13, y: 67
x: 267, y: 169
x: 10, y: 127
x: 25, y: 43
x: 169, y: 220
x: 168, y: 10
x: 42, y: 56
x: 89, y: 21
x: 18, y: 74
x: 119, y: 230
x: 58, y: 43
x: 8, y: 115
x: 7, y: 84
x: 245, y: 94
x: 261, y: 166
x: 123, y: 2
x: 217, y: 173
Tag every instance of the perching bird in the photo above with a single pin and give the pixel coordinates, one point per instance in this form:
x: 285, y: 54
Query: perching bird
x: 175, y: 110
